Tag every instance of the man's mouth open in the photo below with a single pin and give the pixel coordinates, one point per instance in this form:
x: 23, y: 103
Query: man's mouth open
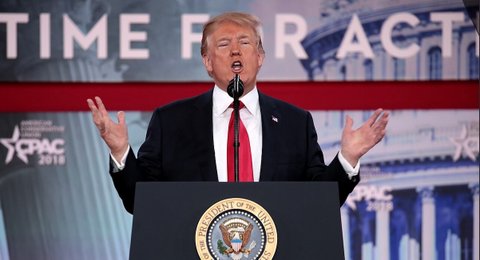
x: 237, y: 67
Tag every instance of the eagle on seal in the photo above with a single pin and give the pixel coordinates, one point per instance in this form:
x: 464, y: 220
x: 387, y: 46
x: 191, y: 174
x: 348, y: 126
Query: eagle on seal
x: 236, y: 240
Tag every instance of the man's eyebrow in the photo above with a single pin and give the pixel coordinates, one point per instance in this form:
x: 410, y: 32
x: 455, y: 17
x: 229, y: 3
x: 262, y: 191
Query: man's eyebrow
x: 228, y: 38
x: 243, y: 36
x: 225, y: 38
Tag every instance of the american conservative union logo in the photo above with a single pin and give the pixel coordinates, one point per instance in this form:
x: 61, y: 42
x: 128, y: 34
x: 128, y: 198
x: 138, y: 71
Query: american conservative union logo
x: 34, y: 137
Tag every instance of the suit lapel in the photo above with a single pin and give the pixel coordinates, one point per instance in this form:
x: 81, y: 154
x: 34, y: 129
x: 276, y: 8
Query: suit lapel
x: 270, y: 119
x: 202, y: 128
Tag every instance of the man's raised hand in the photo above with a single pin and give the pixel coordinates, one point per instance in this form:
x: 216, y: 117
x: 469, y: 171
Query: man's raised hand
x: 114, y: 134
x: 356, y: 143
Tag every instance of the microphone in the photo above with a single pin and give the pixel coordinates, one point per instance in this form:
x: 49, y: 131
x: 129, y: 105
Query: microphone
x: 235, y: 87
x: 235, y: 90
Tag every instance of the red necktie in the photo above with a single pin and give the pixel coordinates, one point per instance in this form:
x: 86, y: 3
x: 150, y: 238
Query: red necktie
x: 244, y: 153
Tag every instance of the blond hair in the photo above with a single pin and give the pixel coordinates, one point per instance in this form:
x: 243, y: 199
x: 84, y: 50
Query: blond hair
x: 241, y: 19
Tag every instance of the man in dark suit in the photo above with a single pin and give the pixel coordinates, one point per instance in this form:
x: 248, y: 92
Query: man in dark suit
x: 188, y: 140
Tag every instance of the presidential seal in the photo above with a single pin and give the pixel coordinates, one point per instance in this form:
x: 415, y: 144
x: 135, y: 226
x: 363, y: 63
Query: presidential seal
x: 236, y: 229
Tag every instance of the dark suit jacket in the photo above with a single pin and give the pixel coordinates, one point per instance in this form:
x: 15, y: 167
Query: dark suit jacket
x: 179, y: 147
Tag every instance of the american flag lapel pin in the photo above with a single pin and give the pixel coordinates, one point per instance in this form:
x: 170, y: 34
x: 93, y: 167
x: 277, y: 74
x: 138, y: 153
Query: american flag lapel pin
x: 274, y: 119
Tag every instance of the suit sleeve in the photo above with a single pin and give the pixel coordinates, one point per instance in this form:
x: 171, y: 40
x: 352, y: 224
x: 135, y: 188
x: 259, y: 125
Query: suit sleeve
x: 147, y: 167
x: 126, y: 179
x: 319, y: 171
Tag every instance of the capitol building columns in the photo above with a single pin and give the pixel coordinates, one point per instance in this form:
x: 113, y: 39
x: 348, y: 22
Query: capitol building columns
x: 428, y: 222
x: 345, y: 230
x: 475, y: 188
x: 383, y: 231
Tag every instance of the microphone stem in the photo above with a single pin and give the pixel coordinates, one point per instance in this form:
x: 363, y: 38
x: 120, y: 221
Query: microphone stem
x: 236, y: 141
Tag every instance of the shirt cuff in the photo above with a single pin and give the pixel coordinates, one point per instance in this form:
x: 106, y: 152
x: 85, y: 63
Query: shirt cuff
x: 118, y: 166
x: 349, y: 169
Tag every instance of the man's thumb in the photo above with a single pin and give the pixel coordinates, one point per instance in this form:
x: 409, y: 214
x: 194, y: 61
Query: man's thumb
x: 121, y: 117
x: 348, y: 122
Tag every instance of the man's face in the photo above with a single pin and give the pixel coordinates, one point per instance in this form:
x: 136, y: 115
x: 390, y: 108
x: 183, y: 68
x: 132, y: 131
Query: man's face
x: 233, y: 49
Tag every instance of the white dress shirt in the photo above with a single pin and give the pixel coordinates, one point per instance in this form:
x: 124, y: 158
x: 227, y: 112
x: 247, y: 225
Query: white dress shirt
x: 252, y: 119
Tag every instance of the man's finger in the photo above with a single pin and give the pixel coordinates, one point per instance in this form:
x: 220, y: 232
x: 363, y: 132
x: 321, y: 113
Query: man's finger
x: 91, y: 105
x: 121, y: 117
x: 382, y: 122
x: 348, y: 123
x: 101, y: 107
x: 373, y: 118
x: 96, y: 115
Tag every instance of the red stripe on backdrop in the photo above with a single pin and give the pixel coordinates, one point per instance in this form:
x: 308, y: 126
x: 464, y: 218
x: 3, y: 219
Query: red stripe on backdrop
x: 36, y: 97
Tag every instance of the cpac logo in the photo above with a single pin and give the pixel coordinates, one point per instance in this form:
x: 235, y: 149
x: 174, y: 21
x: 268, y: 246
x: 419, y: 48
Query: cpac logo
x: 24, y: 147
x: 377, y: 197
